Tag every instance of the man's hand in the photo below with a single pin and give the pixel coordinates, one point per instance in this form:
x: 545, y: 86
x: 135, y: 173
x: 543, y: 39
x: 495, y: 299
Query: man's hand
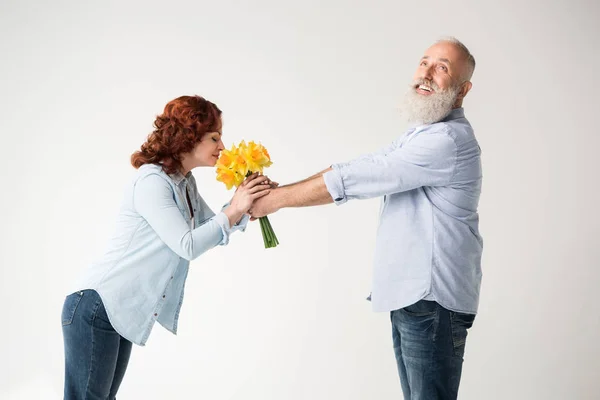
x: 309, y: 192
x: 262, y: 207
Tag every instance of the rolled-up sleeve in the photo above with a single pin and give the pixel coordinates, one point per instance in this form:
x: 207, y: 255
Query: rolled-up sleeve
x: 240, y: 225
x: 429, y: 159
x: 223, y: 221
x: 335, y: 184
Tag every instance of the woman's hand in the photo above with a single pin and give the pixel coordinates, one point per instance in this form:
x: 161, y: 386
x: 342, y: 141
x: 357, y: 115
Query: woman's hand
x: 254, y: 187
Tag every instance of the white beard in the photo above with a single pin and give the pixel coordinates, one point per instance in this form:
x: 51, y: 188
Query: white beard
x: 422, y: 110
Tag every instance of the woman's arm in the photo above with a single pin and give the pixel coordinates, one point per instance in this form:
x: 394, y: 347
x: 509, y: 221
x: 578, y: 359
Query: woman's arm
x: 153, y: 200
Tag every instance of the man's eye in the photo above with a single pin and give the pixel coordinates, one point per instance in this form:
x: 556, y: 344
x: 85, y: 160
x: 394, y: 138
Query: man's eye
x: 443, y: 68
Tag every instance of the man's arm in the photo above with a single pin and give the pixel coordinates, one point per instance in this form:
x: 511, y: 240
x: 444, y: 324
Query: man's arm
x: 428, y: 160
x: 311, y: 177
x: 311, y: 191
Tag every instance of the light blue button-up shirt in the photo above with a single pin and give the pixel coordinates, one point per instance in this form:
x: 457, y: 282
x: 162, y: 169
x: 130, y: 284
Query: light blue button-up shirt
x: 428, y: 243
x: 141, y: 276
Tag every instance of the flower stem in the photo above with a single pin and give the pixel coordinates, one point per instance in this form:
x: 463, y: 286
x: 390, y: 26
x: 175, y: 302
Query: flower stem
x: 269, y: 237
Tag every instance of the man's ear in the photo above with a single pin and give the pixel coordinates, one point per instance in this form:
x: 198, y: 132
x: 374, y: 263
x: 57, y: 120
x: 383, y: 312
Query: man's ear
x: 464, y: 89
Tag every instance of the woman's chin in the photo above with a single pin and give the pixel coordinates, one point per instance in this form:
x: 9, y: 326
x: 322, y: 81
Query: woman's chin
x: 211, y: 162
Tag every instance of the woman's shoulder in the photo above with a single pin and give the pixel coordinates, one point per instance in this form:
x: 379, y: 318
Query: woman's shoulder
x: 148, y: 170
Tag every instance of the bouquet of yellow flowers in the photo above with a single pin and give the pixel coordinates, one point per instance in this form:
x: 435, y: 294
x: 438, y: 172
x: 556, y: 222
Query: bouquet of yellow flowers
x: 235, y: 165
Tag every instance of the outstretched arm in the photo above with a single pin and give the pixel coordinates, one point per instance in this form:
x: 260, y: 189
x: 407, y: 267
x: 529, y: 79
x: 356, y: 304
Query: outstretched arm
x: 429, y: 159
x: 311, y: 191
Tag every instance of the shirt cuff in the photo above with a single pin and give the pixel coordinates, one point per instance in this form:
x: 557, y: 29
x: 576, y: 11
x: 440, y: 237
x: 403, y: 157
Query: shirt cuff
x: 335, y: 185
x: 242, y: 223
x: 223, y: 222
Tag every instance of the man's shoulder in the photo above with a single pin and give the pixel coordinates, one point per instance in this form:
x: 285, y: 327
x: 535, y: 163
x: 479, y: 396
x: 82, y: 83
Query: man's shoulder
x: 458, y: 129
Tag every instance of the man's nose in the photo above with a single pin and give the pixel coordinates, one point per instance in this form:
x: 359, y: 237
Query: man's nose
x: 426, y: 73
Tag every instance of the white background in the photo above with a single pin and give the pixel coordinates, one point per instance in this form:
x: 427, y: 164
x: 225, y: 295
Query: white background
x: 316, y: 82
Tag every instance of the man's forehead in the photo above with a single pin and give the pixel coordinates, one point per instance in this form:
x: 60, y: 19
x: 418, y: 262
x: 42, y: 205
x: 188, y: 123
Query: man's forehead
x: 444, y: 51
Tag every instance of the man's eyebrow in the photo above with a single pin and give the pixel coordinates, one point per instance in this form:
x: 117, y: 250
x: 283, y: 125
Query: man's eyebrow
x: 447, y: 61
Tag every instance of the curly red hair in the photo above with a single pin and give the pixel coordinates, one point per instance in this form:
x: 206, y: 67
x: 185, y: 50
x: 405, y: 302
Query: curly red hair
x: 176, y: 131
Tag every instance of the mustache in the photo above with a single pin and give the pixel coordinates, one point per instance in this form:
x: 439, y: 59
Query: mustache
x: 417, y: 82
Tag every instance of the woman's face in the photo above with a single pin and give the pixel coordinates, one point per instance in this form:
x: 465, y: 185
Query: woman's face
x: 207, y: 151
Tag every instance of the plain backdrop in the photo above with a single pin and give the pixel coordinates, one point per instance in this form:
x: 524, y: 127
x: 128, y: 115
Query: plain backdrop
x: 316, y: 82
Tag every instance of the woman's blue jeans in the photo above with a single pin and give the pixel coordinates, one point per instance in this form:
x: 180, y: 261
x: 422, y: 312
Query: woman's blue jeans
x: 96, y: 356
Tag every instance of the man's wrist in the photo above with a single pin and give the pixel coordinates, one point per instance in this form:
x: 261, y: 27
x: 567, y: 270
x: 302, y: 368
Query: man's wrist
x: 276, y: 198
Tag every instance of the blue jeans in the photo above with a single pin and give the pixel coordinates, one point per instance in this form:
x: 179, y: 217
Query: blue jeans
x: 429, y: 342
x: 96, y: 356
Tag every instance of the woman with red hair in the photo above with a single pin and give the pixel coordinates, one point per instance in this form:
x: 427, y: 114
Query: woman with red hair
x: 162, y: 225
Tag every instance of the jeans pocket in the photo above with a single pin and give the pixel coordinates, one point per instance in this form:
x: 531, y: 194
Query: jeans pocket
x: 70, y: 306
x: 460, y: 324
x: 421, y: 308
x: 418, y: 326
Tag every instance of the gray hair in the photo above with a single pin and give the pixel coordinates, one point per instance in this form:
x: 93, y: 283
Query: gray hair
x: 468, y: 56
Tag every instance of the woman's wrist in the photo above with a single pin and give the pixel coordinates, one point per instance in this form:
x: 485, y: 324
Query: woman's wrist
x: 233, y: 214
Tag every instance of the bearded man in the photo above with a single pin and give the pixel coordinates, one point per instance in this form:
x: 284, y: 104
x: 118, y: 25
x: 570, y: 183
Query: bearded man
x: 427, y: 269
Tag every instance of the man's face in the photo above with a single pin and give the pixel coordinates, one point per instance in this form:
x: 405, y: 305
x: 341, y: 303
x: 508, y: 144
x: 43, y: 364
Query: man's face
x: 443, y: 64
x: 437, y: 85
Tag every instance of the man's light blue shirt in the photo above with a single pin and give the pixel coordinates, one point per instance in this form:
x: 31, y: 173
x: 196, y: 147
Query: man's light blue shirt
x: 428, y: 243
x: 141, y: 277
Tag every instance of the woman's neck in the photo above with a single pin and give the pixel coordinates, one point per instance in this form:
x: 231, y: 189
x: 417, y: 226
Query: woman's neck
x: 185, y: 167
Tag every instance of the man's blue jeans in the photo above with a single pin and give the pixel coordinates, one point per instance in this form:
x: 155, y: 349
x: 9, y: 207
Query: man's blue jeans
x: 96, y: 356
x: 429, y: 342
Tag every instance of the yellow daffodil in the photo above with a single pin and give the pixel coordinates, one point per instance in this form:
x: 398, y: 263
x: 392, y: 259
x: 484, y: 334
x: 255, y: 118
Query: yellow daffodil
x: 256, y: 156
x: 234, y: 165
x: 240, y: 161
x: 229, y: 177
x: 225, y: 159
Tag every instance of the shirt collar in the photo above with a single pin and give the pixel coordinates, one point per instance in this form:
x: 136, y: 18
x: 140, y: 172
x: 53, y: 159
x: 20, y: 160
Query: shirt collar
x: 178, y: 177
x: 456, y: 113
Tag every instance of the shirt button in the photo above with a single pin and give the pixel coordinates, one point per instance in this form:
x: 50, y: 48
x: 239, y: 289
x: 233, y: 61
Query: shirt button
x: 163, y: 296
x: 155, y: 314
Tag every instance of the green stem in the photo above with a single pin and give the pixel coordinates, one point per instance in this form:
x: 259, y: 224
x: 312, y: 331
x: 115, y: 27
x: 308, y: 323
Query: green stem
x: 262, y: 230
x: 274, y: 240
x: 269, y: 237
